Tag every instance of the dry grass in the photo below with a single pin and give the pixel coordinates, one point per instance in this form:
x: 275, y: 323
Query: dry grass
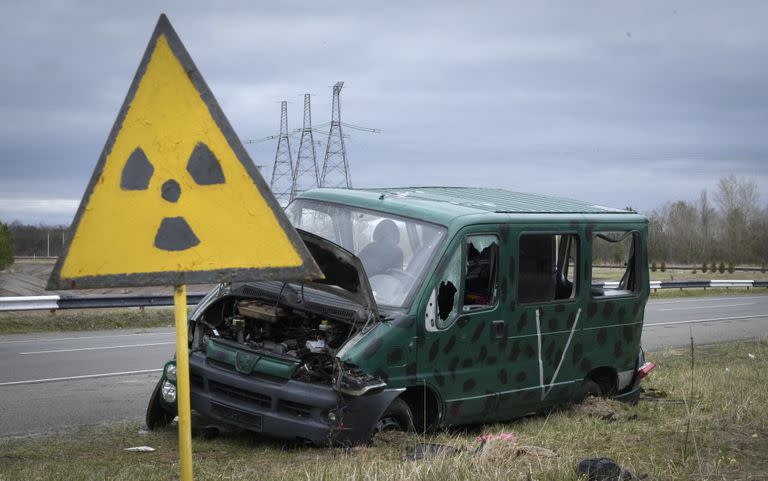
x: 84, y: 320
x: 727, y: 413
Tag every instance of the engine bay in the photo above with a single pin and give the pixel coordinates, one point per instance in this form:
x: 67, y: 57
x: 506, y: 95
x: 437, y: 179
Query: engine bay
x: 273, y: 330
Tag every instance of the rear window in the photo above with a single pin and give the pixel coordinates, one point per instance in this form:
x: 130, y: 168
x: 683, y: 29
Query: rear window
x: 614, y: 263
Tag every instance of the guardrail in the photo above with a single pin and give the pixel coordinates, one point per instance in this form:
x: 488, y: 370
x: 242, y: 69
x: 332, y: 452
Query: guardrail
x: 55, y: 302
x: 693, y: 284
x: 31, y: 303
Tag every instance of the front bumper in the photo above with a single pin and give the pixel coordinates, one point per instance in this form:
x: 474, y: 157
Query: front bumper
x: 225, y: 399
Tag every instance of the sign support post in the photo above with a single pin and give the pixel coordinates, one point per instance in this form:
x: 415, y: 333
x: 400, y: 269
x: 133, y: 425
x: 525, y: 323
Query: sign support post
x: 182, y: 381
x: 172, y: 180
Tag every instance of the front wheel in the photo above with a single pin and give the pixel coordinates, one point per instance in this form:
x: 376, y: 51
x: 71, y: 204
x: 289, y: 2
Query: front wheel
x: 397, y: 417
x: 157, y: 416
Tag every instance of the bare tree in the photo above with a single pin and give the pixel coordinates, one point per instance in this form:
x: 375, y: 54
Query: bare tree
x: 738, y: 200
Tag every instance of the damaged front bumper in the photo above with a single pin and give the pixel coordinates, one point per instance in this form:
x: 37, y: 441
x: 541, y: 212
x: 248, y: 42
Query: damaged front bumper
x: 222, y: 398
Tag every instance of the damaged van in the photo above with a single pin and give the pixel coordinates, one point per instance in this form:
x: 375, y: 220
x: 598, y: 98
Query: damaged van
x: 439, y: 307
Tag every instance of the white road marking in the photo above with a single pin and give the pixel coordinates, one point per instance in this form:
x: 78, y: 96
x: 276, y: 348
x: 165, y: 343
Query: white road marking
x: 714, y: 319
x: 100, y: 348
x: 42, y: 339
x: 707, y: 307
x: 74, y: 378
x: 703, y: 299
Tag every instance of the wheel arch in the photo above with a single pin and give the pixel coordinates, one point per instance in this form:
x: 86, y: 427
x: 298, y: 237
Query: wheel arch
x: 425, y: 406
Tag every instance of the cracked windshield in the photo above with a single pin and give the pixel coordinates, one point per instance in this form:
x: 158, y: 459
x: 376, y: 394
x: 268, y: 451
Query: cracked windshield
x: 393, y: 250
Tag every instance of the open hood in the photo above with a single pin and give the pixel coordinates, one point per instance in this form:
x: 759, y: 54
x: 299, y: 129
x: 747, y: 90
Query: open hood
x: 344, y: 273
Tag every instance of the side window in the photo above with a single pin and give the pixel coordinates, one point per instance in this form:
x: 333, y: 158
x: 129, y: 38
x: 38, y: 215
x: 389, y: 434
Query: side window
x: 482, y: 266
x: 447, y: 300
x: 548, y: 267
x: 614, y: 263
x: 469, y: 280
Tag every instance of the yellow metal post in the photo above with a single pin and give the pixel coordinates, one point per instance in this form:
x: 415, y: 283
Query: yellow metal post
x: 182, y: 383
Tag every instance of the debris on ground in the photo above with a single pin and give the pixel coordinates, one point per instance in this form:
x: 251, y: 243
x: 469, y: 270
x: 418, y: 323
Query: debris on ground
x: 431, y: 450
x: 605, y: 469
x: 141, y: 449
x: 601, y: 408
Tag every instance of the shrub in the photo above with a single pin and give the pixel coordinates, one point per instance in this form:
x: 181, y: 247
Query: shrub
x: 703, y: 267
x: 663, y: 266
x: 713, y: 269
x: 731, y: 268
x: 721, y: 268
x: 762, y: 268
x: 6, y: 247
x: 653, y: 266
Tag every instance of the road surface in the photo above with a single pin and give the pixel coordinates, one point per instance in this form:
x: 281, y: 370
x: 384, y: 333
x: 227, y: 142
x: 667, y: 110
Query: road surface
x: 58, y: 380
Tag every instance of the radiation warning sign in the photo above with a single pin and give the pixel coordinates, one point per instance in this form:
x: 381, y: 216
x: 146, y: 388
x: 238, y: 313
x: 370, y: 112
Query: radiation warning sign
x: 174, y: 197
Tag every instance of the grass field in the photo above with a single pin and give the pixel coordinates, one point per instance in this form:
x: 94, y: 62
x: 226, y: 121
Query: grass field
x: 700, y: 420
x: 84, y: 320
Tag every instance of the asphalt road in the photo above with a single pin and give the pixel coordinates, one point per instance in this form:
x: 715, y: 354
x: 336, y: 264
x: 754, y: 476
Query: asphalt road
x: 59, y: 380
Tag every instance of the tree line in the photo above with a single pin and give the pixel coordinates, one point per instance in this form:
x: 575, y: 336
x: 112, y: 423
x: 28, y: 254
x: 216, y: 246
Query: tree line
x: 727, y: 226
x: 38, y: 240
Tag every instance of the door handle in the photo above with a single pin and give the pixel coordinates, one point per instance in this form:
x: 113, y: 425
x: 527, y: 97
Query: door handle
x: 499, y: 329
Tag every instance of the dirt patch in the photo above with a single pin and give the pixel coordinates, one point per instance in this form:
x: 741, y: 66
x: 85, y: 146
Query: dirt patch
x: 600, y: 408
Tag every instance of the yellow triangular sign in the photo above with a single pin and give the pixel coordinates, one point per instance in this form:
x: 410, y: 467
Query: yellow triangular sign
x: 175, y: 198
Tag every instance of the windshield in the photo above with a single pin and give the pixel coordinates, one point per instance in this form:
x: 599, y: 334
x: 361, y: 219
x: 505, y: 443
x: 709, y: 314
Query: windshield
x: 393, y: 250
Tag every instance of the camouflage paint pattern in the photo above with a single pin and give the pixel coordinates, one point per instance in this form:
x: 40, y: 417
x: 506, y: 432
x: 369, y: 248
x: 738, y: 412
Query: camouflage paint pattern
x: 480, y: 377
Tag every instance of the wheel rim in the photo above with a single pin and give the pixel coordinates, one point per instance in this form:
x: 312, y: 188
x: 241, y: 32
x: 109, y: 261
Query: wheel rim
x: 388, y: 423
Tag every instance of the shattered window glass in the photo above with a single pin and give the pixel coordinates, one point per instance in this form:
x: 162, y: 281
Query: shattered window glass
x: 548, y: 267
x: 447, y: 300
x: 481, y: 271
x: 614, y: 265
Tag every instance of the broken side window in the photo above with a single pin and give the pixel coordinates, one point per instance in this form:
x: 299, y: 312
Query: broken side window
x: 447, y: 302
x: 548, y: 267
x: 614, y: 263
x: 482, y: 265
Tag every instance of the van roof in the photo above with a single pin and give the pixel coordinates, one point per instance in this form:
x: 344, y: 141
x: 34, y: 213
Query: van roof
x: 447, y: 203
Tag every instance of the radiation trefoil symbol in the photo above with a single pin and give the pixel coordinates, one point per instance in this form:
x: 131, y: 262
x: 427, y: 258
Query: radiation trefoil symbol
x: 174, y: 233
x: 171, y: 181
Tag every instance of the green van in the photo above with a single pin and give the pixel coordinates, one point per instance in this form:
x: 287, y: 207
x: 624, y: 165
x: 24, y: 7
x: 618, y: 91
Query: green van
x: 440, y: 306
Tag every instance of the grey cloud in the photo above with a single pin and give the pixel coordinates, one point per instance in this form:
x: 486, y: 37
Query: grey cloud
x: 621, y: 104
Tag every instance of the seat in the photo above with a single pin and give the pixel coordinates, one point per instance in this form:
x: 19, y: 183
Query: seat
x: 384, y: 252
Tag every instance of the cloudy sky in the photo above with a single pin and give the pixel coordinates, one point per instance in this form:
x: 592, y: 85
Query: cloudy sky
x: 619, y: 103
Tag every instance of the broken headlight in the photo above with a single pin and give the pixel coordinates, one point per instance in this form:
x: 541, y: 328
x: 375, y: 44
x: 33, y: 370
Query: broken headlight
x: 170, y: 371
x: 356, y: 382
x: 169, y: 392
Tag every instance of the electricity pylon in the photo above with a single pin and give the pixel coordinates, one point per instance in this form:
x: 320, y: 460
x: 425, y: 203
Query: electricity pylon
x: 282, y: 170
x: 305, y: 174
x: 335, y: 166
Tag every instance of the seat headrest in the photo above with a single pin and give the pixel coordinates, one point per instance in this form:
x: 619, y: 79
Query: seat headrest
x: 386, y: 231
